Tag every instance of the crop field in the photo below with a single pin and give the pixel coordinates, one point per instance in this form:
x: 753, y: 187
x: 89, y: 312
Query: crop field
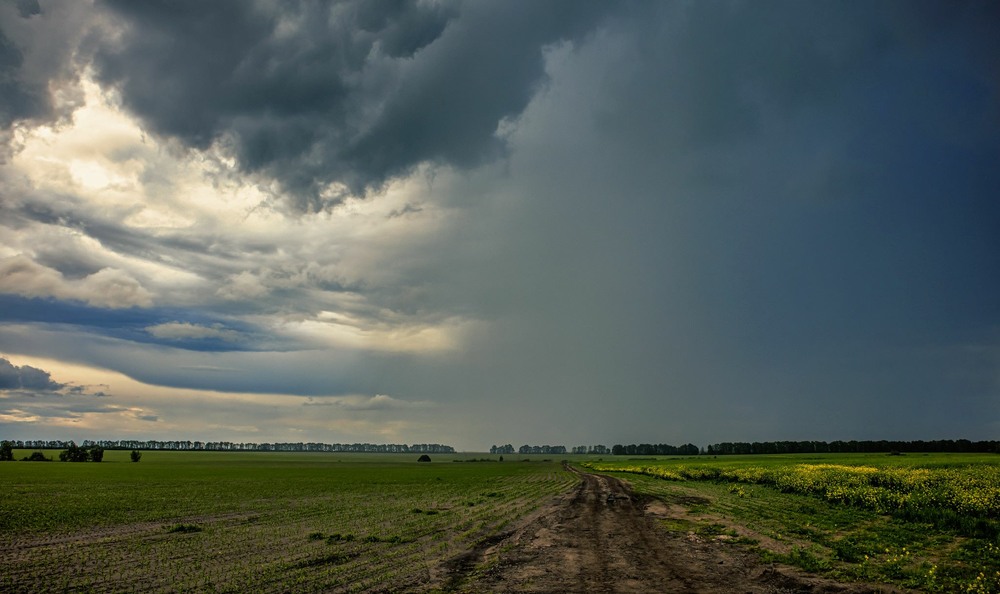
x: 929, y: 522
x: 255, y: 522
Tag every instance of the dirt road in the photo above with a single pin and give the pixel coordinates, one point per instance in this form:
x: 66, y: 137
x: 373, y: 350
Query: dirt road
x: 603, y: 538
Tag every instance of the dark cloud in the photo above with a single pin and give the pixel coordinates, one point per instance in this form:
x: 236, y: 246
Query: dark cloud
x: 26, y: 377
x: 349, y: 93
x: 16, y: 100
x: 155, y: 326
x: 714, y: 221
x: 28, y: 8
x: 742, y: 222
x: 40, y: 52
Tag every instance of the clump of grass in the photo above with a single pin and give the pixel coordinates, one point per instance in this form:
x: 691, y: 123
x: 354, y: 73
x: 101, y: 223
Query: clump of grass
x: 395, y: 539
x: 800, y: 557
x: 316, y: 536
x: 711, y: 530
x: 331, y: 559
x: 184, y: 529
x: 339, y: 538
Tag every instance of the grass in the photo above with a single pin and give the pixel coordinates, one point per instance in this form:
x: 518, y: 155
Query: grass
x: 254, y: 521
x: 927, y: 522
x: 309, y: 522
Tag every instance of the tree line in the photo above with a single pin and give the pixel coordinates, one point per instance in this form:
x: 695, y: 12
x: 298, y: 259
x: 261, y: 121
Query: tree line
x: 766, y: 447
x: 72, y: 453
x: 654, y: 449
x: 528, y: 449
x: 227, y: 446
x: 847, y: 447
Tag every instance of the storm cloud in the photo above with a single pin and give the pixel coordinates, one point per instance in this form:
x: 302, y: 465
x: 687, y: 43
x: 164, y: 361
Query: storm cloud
x: 335, y: 99
x: 510, y: 222
x: 26, y: 377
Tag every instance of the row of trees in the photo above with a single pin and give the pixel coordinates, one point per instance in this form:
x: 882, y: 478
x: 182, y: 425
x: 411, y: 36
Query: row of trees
x: 89, y: 448
x: 548, y: 449
x: 765, y: 447
x: 840, y: 447
x: 227, y: 446
x: 72, y: 453
x: 75, y: 453
x: 654, y: 449
x: 809, y: 447
x: 542, y: 449
x: 594, y: 449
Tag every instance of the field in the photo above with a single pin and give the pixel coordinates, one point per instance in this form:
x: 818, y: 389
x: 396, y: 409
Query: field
x: 311, y: 522
x: 928, y: 522
x: 255, y: 522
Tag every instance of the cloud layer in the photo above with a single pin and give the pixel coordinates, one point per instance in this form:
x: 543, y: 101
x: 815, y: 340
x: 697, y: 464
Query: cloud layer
x: 333, y: 100
x: 26, y: 377
x: 503, y: 222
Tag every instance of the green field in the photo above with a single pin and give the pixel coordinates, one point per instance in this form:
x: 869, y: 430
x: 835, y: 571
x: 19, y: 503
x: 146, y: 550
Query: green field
x: 924, y: 521
x: 254, y: 522
x: 310, y: 522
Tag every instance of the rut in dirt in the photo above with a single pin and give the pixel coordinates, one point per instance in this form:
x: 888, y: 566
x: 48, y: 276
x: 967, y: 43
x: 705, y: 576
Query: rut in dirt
x: 599, y: 537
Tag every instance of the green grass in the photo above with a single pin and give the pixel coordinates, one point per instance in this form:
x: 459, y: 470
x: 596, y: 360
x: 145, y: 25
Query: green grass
x: 927, y: 522
x: 254, y: 521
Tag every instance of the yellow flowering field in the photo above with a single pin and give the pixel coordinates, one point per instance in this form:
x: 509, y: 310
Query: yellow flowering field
x: 921, y: 492
x: 929, y: 522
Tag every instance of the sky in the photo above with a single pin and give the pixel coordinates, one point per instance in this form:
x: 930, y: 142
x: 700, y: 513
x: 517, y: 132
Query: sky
x: 477, y: 223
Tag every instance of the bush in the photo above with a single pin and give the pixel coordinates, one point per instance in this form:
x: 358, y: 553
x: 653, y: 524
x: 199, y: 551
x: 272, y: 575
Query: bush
x: 424, y: 458
x: 75, y: 453
x: 135, y: 455
x: 6, y: 451
x: 36, y: 457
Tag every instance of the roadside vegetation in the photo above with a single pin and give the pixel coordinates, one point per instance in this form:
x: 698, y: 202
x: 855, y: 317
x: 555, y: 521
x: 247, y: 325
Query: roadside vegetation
x: 929, y: 522
x: 260, y: 522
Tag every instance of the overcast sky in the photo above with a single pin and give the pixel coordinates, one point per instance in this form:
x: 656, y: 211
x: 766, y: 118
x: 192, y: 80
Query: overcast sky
x: 513, y: 222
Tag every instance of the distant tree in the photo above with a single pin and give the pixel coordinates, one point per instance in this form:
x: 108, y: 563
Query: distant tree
x: 6, y: 451
x: 135, y: 455
x: 73, y: 453
x: 424, y: 458
x: 36, y: 457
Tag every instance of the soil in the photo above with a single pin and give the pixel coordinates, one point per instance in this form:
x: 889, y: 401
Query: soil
x: 601, y: 537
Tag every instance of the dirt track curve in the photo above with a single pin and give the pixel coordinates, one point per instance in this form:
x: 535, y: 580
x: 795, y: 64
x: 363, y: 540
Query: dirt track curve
x: 601, y: 537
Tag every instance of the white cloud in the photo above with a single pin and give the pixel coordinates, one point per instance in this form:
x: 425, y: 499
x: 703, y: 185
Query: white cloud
x: 113, y: 288
x: 380, y: 332
x: 107, y: 287
x: 114, y: 217
x: 183, y: 330
x: 242, y: 286
x: 360, y: 403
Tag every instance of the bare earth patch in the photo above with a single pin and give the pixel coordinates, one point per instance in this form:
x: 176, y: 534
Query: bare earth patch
x: 601, y: 537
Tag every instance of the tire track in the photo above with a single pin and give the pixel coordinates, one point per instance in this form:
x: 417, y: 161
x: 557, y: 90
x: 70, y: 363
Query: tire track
x: 599, y: 537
